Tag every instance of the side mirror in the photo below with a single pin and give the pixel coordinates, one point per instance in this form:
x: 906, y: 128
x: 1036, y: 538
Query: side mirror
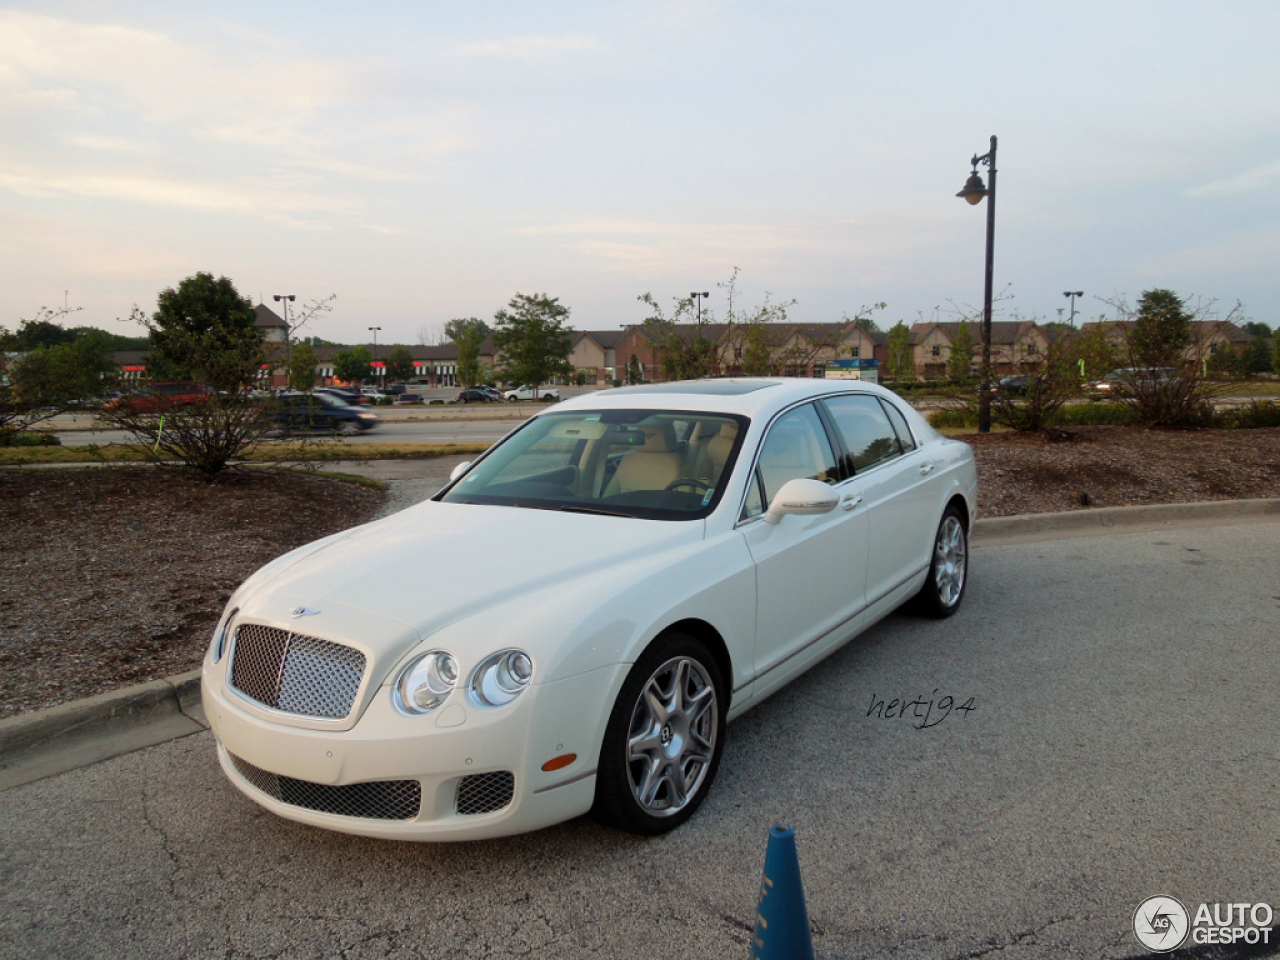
x: 802, y: 497
x: 459, y: 470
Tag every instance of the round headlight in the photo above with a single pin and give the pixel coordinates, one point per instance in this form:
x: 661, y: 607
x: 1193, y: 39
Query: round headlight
x: 220, y: 635
x: 425, y: 683
x: 500, y: 678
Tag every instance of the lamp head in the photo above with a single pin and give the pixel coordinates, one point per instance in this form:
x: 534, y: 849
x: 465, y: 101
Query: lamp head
x: 974, y: 189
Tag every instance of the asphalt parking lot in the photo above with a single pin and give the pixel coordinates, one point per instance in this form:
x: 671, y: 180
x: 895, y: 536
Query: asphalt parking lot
x: 1123, y: 742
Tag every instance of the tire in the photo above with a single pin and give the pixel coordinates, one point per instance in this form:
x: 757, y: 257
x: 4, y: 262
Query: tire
x: 948, y: 577
x: 513, y: 399
x: 635, y: 788
x: 348, y: 429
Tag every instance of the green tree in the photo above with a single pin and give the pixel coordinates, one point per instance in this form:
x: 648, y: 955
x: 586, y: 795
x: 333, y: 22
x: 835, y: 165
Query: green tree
x: 635, y: 375
x: 203, y: 330
x: 533, y: 339
x: 468, y: 333
x: 900, y: 359
x: 47, y: 379
x: 353, y: 366
x: 1275, y: 352
x: 302, y: 368
x: 399, y: 365
x: 960, y: 362
x: 1161, y: 330
x: 756, y: 354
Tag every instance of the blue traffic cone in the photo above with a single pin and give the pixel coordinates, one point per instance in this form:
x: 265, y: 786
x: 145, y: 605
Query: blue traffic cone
x: 782, y: 922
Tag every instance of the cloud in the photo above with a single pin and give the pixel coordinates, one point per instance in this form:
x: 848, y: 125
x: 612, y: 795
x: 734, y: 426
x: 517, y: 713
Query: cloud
x: 1250, y: 181
x: 530, y: 47
x: 135, y: 115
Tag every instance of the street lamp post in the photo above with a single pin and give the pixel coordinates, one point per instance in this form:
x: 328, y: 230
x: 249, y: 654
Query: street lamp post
x: 698, y: 298
x: 375, y: 350
x: 973, y: 192
x: 285, y: 299
x: 1072, y: 294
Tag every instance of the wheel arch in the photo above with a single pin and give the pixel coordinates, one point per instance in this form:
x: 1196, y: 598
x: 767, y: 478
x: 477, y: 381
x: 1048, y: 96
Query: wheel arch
x: 704, y: 632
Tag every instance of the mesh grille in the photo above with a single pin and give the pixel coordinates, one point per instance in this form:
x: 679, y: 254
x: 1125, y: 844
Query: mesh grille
x: 296, y: 674
x: 375, y: 800
x: 485, y: 792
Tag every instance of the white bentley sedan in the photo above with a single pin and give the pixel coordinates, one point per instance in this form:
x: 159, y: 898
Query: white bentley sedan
x: 571, y: 623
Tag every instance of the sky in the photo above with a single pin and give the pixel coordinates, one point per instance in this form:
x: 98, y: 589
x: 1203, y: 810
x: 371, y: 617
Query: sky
x: 426, y: 161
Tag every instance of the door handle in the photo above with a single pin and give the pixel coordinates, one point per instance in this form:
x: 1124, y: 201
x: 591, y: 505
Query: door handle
x: 850, y: 503
x: 926, y: 469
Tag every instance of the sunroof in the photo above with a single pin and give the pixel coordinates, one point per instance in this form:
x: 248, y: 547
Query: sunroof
x: 709, y: 388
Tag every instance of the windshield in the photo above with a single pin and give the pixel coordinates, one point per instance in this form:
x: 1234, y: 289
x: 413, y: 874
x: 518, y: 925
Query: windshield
x: 654, y: 464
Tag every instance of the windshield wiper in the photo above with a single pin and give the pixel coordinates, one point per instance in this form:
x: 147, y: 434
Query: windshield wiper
x: 596, y: 510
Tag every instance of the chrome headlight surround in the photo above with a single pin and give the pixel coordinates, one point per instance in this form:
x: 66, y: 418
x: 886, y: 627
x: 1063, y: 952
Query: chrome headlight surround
x: 219, y: 646
x: 500, y: 678
x: 425, y: 683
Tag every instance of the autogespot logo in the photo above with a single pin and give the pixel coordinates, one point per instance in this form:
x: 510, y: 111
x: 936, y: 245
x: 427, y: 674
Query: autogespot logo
x: 1160, y: 924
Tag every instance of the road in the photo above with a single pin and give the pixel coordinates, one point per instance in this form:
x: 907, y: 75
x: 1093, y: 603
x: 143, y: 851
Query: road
x: 389, y: 430
x: 1123, y: 743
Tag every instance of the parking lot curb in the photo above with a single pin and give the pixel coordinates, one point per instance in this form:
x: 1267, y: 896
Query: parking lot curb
x: 1100, y: 521
x: 44, y: 742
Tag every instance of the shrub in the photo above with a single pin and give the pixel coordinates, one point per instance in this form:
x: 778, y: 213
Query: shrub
x: 953, y: 419
x: 1258, y: 415
x: 1084, y: 414
x: 18, y: 438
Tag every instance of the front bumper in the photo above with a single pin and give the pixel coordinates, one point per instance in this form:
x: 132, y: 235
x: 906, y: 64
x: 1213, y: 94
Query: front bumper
x: 439, y: 751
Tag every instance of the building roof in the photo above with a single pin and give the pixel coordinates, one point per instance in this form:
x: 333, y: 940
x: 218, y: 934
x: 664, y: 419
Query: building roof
x: 265, y: 318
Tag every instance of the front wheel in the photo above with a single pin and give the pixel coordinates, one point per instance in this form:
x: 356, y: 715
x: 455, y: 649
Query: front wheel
x: 948, y: 569
x: 664, y: 739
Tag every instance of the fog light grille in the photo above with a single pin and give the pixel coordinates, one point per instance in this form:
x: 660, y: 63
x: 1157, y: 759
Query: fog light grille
x: 295, y: 673
x: 485, y: 792
x: 374, y: 800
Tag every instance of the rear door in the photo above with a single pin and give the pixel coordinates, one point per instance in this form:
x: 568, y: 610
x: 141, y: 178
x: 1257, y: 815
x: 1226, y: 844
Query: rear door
x: 896, y: 478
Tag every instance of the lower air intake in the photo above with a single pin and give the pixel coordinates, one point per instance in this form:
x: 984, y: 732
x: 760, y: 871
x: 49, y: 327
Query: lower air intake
x: 485, y: 792
x: 374, y: 800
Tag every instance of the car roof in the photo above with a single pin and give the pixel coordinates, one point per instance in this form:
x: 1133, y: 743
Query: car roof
x: 751, y: 396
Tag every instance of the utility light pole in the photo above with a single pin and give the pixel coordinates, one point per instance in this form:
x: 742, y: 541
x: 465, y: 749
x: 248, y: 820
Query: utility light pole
x: 375, y: 351
x: 1073, y: 294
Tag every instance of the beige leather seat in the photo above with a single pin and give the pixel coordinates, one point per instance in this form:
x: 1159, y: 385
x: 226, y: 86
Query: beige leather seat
x: 653, y: 466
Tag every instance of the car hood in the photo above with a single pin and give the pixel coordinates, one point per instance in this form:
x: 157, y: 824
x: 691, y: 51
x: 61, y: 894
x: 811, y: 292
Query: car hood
x: 387, y: 586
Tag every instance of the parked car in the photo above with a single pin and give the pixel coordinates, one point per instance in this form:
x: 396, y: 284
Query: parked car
x: 346, y: 394
x: 475, y: 395
x: 545, y: 394
x: 160, y: 397
x: 1010, y: 386
x: 318, y: 413
x: 408, y: 399
x: 570, y: 624
x: 1126, y: 380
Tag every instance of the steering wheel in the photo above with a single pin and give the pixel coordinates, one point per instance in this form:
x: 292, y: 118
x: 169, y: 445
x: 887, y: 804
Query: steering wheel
x: 701, y: 485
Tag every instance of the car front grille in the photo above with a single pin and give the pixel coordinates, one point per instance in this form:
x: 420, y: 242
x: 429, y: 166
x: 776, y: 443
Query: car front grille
x: 295, y: 673
x: 374, y: 800
x: 485, y: 792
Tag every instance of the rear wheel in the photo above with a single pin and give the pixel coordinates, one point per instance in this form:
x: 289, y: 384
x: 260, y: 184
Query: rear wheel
x: 948, y: 569
x: 664, y: 739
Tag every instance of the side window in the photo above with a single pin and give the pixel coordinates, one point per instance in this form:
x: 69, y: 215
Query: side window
x: 796, y: 446
x: 900, y: 424
x: 865, y: 428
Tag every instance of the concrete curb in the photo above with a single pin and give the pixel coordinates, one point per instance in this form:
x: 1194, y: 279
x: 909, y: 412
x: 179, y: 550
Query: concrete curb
x: 1104, y: 520
x: 57, y: 739
x: 43, y: 742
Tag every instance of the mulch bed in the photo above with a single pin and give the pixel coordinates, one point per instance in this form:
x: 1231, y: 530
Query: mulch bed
x: 113, y: 576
